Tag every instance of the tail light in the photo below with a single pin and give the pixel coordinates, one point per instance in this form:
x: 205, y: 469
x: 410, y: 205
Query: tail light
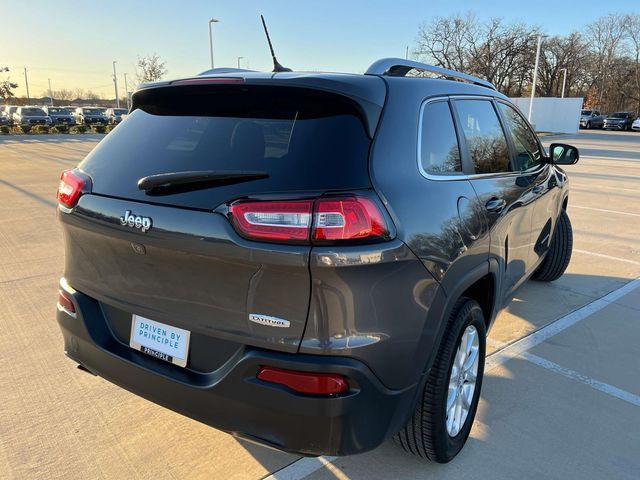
x: 347, y: 219
x: 275, y: 221
x: 305, y: 382
x: 302, y: 221
x: 70, y: 188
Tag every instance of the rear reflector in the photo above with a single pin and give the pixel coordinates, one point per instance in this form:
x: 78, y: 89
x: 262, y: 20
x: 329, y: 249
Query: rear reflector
x: 65, y: 302
x: 305, y: 382
x: 322, y: 220
x: 70, y: 188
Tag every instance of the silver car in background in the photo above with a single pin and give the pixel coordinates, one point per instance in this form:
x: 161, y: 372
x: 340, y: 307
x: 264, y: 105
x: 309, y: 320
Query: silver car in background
x: 31, y: 116
x: 591, y: 119
x: 60, y: 115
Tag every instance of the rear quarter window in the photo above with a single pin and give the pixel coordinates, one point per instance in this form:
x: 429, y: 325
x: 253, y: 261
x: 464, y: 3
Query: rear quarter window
x: 439, y: 150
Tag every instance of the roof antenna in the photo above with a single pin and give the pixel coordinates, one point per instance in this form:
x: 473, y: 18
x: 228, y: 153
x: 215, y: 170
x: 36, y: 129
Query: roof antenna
x: 276, y: 66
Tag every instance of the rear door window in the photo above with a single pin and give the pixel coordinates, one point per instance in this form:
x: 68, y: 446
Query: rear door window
x: 305, y: 140
x: 484, y: 136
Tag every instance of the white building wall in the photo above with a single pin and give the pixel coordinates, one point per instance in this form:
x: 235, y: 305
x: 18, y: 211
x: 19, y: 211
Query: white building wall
x: 551, y: 114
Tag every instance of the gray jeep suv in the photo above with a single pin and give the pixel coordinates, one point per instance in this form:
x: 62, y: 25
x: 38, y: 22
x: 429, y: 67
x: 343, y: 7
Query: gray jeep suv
x: 310, y: 260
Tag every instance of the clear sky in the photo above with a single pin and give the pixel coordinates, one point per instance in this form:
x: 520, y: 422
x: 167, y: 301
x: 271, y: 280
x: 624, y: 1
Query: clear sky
x: 74, y: 42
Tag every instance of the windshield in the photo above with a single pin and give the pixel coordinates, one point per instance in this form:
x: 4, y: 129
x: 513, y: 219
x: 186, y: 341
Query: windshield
x: 94, y: 111
x: 586, y: 112
x: 59, y: 111
x: 619, y: 115
x: 32, y: 112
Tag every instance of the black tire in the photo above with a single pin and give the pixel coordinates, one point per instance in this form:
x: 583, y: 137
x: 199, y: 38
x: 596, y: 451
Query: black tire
x: 425, y: 434
x: 559, y: 254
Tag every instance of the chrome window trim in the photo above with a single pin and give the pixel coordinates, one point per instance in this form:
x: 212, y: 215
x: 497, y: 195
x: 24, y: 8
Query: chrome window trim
x: 462, y: 175
x: 423, y: 172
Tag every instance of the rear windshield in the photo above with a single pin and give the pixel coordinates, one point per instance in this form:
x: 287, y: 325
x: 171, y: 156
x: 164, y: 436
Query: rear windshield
x: 305, y: 140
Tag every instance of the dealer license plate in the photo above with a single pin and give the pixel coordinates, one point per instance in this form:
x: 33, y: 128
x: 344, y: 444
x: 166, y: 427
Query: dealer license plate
x: 159, y: 340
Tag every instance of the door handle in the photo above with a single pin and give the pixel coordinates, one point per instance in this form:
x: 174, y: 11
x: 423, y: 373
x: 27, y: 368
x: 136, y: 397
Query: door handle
x: 495, y: 205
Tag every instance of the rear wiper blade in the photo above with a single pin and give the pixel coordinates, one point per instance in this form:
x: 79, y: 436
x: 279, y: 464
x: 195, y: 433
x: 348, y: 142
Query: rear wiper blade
x: 179, y: 182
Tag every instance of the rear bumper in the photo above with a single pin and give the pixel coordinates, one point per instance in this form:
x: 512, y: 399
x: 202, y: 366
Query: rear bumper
x: 232, y: 399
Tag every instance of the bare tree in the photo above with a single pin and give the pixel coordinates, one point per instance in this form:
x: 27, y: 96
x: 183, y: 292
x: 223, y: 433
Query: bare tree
x: 499, y: 52
x: 633, y: 35
x: 606, y: 35
x: 150, y: 68
x: 447, y: 41
x: 6, y: 85
x: 570, y: 52
x: 63, y: 94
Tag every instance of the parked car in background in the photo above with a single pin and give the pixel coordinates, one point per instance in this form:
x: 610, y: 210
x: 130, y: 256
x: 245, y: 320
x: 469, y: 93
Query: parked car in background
x: 60, y: 115
x: 4, y: 119
x: 31, y: 116
x: 636, y: 125
x: 90, y: 115
x: 114, y: 115
x: 8, y: 111
x: 591, y: 119
x: 619, y: 121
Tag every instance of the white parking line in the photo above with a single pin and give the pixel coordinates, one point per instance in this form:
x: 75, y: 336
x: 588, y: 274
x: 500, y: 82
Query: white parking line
x: 590, y: 187
x: 526, y: 343
x: 606, y: 211
x: 572, y: 374
x: 306, y: 466
x: 626, y: 260
x: 301, y: 468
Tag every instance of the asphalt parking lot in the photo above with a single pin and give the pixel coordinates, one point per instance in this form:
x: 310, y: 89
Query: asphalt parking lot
x: 561, y: 397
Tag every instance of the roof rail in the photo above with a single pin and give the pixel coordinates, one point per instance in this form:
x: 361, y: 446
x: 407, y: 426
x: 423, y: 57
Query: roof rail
x: 397, y: 67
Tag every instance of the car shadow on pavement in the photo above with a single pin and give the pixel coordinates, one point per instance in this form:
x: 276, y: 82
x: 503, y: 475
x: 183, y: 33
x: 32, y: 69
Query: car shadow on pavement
x: 65, y: 138
x: 34, y: 196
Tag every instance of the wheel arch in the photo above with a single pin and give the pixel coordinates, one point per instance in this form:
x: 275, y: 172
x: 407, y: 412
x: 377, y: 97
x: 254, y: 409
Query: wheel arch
x: 483, y: 284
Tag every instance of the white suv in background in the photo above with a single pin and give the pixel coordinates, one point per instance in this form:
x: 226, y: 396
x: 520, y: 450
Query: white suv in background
x: 636, y: 125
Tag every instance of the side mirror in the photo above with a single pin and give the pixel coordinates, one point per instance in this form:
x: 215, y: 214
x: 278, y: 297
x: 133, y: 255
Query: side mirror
x: 563, y: 154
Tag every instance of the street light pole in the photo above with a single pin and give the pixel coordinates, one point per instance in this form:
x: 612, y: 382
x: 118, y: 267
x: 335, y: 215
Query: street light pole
x: 564, y: 81
x: 535, y: 77
x: 126, y: 90
x: 50, y: 94
x: 115, y: 84
x: 26, y: 82
x: 239, y: 58
x: 212, y: 20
